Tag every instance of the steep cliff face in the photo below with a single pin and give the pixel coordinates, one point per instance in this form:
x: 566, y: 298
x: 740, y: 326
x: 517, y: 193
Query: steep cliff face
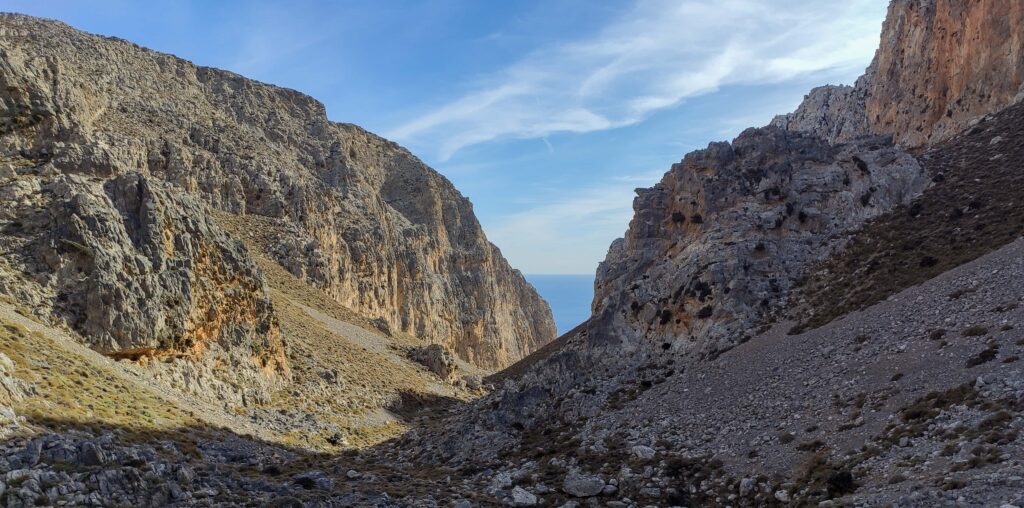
x: 941, y: 65
x: 142, y: 273
x: 361, y: 217
x: 718, y: 242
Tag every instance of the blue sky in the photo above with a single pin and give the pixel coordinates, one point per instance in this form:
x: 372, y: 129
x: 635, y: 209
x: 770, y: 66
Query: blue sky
x: 546, y: 114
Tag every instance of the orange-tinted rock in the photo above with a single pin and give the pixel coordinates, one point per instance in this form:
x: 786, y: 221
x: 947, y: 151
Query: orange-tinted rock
x: 943, y: 63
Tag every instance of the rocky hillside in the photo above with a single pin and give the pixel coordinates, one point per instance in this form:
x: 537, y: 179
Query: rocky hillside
x: 972, y: 208
x: 715, y: 247
x: 826, y: 311
x: 738, y: 239
x: 353, y: 214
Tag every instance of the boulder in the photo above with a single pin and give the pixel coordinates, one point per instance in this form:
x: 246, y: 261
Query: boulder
x: 643, y: 452
x: 747, y: 485
x: 473, y: 381
x: 437, y: 359
x: 92, y: 455
x: 382, y: 326
x: 581, y: 485
x: 523, y: 497
x: 314, y: 480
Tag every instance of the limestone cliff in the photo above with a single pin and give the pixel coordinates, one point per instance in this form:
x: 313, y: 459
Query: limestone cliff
x: 715, y: 249
x: 941, y: 65
x: 719, y: 241
x: 358, y: 216
x: 141, y: 273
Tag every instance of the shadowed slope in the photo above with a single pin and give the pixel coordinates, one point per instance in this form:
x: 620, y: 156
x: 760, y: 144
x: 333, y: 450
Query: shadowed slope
x: 974, y: 206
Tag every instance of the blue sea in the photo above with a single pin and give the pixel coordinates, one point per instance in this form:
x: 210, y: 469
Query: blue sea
x: 568, y: 295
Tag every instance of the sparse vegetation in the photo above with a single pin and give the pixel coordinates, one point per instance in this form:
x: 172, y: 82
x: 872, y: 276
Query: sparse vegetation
x: 974, y: 331
x: 933, y: 241
x: 819, y: 474
x: 985, y: 356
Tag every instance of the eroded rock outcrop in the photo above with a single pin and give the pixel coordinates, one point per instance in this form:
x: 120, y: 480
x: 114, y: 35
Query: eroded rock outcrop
x: 717, y: 244
x: 437, y: 359
x: 358, y: 216
x: 835, y: 113
x: 143, y: 273
x: 12, y: 390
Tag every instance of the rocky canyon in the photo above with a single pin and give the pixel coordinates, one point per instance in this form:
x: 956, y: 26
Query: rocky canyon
x: 212, y: 295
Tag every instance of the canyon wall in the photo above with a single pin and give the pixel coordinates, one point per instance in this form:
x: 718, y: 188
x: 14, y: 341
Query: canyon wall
x: 355, y: 215
x: 941, y: 64
x: 715, y: 249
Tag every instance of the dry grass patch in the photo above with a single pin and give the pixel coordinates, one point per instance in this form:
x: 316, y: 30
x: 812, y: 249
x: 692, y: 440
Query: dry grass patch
x: 81, y: 393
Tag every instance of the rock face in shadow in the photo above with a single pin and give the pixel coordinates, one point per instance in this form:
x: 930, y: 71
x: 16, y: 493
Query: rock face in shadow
x: 717, y: 244
x: 361, y: 217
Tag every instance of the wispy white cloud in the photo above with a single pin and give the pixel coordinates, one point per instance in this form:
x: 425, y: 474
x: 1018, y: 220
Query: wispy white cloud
x: 657, y: 55
x: 570, y: 232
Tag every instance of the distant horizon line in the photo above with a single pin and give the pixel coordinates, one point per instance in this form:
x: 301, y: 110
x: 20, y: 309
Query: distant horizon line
x: 561, y: 274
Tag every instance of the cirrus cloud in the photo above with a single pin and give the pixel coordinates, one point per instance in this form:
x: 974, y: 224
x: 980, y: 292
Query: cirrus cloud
x: 660, y: 53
